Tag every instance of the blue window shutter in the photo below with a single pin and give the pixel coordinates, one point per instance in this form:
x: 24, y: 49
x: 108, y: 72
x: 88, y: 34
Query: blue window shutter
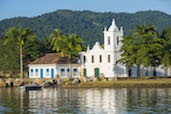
x: 75, y: 70
x: 28, y: 74
x: 52, y: 73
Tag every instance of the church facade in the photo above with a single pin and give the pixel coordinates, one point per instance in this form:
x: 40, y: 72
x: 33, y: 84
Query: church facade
x: 100, y: 61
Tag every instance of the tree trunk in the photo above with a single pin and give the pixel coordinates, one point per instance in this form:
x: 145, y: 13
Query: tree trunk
x: 138, y: 72
x: 70, y: 70
x: 145, y: 71
x: 70, y: 67
x: 141, y: 72
x: 21, y: 62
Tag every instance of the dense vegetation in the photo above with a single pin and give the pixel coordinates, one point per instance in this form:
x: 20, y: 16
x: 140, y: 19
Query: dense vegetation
x: 22, y: 44
x: 146, y: 48
x: 88, y: 25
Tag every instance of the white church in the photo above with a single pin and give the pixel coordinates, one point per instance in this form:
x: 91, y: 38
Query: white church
x: 97, y: 61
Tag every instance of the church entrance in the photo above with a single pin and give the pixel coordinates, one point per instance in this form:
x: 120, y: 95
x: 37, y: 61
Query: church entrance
x: 84, y: 72
x: 96, y: 72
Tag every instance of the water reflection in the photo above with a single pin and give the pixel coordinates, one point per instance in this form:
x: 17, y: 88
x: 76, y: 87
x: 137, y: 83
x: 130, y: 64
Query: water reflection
x: 104, y: 100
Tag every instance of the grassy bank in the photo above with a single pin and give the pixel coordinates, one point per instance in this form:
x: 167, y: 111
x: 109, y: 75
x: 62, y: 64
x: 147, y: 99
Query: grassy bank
x: 123, y: 83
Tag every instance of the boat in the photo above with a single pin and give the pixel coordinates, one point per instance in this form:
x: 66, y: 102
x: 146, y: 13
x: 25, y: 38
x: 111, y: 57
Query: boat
x: 30, y: 87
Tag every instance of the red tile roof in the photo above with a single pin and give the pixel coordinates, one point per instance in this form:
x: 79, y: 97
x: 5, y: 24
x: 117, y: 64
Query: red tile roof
x: 55, y: 58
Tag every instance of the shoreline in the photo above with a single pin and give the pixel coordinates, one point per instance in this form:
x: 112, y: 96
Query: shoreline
x: 122, y: 84
x: 128, y: 83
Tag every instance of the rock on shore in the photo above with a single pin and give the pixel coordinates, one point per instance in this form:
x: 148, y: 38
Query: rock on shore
x: 9, y: 82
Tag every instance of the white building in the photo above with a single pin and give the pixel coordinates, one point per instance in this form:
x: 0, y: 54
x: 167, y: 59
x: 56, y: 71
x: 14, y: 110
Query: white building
x: 52, y: 65
x: 97, y: 61
x: 100, y: 61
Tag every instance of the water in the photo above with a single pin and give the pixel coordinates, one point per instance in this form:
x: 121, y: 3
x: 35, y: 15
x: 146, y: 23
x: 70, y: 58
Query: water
x: 91, y: 100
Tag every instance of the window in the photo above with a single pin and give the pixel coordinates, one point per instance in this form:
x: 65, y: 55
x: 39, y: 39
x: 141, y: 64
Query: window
x: 36, y: 74
x: 31, y: 72
x: 108, y: 40
x: 154, y: 72
x: 75, y: 72
x: 117, y: 40
x: 100, y: 58
x: 68, y: 72
x: 92, y: 58
x: 129, y: 72
x: 108, y: 58
x: 47, y: 72
x: 84, y: 59
x: 62, y: 72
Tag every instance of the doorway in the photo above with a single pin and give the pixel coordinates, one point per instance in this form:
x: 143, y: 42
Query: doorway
x: 84, y: 72
x: 96, y: 70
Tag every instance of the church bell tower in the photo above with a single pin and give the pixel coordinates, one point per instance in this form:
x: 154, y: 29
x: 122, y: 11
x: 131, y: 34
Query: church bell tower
x: 113, y: 37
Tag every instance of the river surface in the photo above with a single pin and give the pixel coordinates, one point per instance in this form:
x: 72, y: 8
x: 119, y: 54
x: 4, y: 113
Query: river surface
x: 86, y: 100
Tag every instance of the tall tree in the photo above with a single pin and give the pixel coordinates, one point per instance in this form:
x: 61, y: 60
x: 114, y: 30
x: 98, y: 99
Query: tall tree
x: 19, y: 36
x: 142, y: 49
x: 166, y: 58
x: 130, y: 56
x: 9, y: 64
x: 67, y: 45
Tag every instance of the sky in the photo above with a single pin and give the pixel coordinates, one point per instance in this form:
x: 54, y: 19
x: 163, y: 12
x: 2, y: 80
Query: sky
x: 32, y: 8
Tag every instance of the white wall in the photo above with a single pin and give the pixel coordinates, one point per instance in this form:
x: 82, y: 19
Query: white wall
x: 57, y: 70
x: 66, y: 67
x: 44, y: 67
x: 104, y: 67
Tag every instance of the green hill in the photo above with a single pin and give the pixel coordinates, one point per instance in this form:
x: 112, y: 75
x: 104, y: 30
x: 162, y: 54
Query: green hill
x: 89, y: 25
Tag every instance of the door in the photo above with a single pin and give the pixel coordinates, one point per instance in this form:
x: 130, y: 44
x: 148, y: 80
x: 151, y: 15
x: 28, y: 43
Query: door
x: 84, y: 72
x: 96, y: 70
x: 41, y: 73
x: 28, y: 74
x: 130, y: 72
x: 52, y: 73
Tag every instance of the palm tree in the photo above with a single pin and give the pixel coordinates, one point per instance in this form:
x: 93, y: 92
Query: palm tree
x: 57, y: 41
x: 19, y: 36
x: 67, y: 45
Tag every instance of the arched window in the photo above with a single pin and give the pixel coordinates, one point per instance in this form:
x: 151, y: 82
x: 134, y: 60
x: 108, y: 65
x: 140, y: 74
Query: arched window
x: 117, y: 40
x: 47, y: 72
x: 108, y: 40
x: 62, y: 72
x: 92, y: 58
x: 75, y: 72
x: 36, y: 73
x: 100, y: 58
x: 31, y: 72
x: 68, y: 72
x: 108, y: 58
x: 84, y: 59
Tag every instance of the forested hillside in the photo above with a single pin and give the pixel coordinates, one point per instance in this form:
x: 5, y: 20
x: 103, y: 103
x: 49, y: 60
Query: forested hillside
x: 89, y: 25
